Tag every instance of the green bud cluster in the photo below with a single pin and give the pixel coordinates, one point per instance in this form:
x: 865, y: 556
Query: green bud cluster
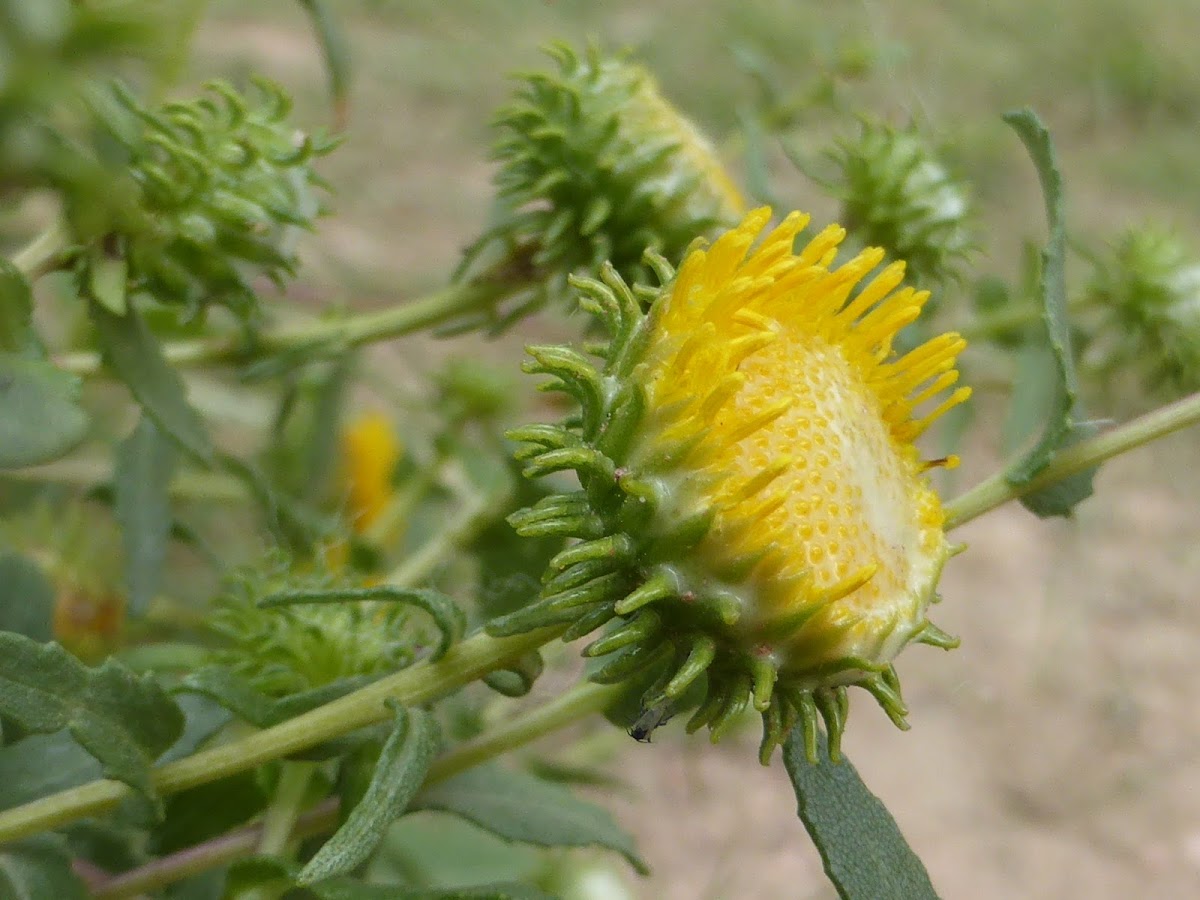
x: 1144, y: 294
x: 596, y: 165
x: 220, y: 182
x: 288, y: 631
x: 897, y: 195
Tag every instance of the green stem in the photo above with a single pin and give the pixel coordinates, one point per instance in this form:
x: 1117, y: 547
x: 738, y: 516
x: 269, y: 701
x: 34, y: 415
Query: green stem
x: 998, y: 324
x: 217, y: 852
x: 46, y: 253
x: 579, y: 702
x: 281, y: 816
x: 998, y: 490
x: 212, y: 487
x: 463, y: 663
x: 475, y: 515
x: 348, y: 331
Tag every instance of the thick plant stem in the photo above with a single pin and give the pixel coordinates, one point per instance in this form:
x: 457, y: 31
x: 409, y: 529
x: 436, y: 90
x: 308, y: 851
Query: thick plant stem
x: 998, y: 490
x: 576, y: 704
x: 347, y: 331
x: 463, y: 663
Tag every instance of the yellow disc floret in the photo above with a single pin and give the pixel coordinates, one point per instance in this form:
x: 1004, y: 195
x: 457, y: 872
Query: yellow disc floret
x: 801, y: 431
x: 753, y: 507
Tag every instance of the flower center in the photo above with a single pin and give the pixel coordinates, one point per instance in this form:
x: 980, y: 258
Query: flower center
x: 850, y: 497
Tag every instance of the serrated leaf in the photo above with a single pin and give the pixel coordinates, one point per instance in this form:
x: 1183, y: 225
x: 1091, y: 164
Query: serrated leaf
x: 861, y: 847
x: 40, y: 419
x: 401, y: 769
x: 122, y: 720
x: 519, y: 807
x: 26, y: 598
x: 1048, y: 385
x: 145, y: 464
x: 134, y: 355
x: 39, y: 868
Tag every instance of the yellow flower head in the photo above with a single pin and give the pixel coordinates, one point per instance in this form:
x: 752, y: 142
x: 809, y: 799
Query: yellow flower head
x: 776, y: 404
x: 753, y: 507
x: 370, y: 452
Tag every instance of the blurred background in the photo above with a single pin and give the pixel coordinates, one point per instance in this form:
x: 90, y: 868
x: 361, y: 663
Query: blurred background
x: 1057, y: 753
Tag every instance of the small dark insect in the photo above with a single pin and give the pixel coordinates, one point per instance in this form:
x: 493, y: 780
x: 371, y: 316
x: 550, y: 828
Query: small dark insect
x: 650, y: 719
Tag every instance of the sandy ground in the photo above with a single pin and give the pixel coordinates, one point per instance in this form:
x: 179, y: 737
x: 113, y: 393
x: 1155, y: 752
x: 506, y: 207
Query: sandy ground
x: 1055, y: 754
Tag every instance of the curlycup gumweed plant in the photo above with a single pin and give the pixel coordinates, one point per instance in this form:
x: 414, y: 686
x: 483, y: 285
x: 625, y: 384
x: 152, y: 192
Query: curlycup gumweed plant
x: 300, y: 630
x: 752, y: 509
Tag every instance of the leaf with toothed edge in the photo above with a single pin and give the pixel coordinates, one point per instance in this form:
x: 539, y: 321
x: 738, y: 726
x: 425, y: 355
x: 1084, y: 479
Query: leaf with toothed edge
x: 123, y: 720
x: 1046, y: 389
x: 861, y: 847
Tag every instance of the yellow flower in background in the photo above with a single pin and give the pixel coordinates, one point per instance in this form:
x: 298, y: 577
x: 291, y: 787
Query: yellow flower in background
x: 370, y: 452
x: 753, y: 505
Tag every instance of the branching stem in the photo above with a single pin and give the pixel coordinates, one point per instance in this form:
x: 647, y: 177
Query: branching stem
x: 573, y: 705
x: 998, y: 490
x: 465, y: 662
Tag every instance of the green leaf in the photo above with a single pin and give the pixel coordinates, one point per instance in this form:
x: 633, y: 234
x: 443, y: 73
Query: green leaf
x: 133, y: 353
x: 261, y: 871
x: 336, y: 51
x: 200, y: 813
x: 40, y: 419
x: 399, y: 773
x: 864, y: 853
x: 43, y: 764
x: 519, y: 807
x: 511, y: 566
x: 16, y: 313
x: 349, y: 889
x: 108, y: 282
x: 39, y: 868
x: 122, y: 720
x: 202, y: 718
x: 26, y: 598
x: 145, y: 464
x: 1045, y: 396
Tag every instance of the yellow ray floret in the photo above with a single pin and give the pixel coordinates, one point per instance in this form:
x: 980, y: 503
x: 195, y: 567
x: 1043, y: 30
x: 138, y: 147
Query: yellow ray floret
x: 778, y: 402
